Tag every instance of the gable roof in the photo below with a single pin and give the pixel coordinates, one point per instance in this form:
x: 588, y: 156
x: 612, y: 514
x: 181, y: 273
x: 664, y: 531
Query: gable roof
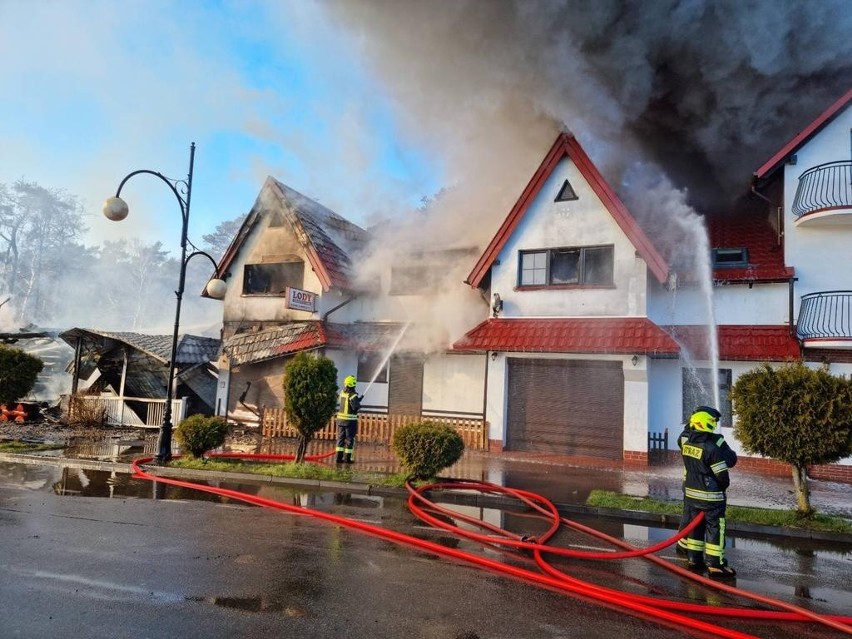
x: 612, y: 335
x: 329, y: 240
x: 566, y: 145
x: 804, y: 135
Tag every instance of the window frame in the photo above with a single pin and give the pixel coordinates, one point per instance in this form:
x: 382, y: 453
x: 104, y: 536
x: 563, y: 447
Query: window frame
x: 581, y: 267
x: 283, y: 277
x: 699, y: 395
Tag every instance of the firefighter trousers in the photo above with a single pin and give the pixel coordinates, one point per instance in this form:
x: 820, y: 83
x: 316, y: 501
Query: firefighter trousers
x: 708, y: 538
x: 347, y: 429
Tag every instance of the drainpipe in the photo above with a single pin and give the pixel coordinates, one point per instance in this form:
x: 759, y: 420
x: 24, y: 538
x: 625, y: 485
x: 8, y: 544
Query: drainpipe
x: 792, y: 285
x: 325, y: 315
x: 778, y: 210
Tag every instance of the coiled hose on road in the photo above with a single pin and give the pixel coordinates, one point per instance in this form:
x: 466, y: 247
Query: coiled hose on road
x: 667, y: 612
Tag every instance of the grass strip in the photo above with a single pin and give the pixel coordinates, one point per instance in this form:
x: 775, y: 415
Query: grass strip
x: 782, y: 518
x: 26, y: 447
x: 290, y: 470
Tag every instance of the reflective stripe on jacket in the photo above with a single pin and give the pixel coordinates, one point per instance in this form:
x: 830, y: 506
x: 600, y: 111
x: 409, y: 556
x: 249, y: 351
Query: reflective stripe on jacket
x: 706, y: 460
x: 348, y: 404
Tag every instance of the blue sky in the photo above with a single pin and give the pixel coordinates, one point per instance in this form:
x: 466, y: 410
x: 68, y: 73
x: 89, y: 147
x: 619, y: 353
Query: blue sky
x: 94, y: 89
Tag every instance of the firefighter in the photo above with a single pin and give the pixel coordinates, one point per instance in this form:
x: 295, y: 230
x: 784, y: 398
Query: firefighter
x: 707, y: 458
x: 348, y: 405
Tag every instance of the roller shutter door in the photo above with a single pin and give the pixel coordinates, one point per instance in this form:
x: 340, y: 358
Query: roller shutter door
x: 567, y: 407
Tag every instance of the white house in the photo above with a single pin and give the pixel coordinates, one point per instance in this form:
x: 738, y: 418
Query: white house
x: 594, y: 331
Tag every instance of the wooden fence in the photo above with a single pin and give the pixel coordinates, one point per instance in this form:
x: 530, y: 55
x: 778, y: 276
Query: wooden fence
x: 378, y: 428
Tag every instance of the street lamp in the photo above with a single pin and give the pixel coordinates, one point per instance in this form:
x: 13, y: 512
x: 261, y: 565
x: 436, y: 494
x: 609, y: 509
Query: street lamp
x: 116, y: 209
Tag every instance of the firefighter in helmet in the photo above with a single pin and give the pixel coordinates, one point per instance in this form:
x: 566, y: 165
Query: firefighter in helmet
x: 707, y: 458
x: 348, y: 405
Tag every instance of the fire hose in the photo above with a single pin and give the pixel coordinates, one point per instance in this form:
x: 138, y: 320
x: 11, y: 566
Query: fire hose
x: 667, y: 612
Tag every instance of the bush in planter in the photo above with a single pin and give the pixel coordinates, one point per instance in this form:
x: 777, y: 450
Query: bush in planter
x: 426, y: 448
x: 198, y: 434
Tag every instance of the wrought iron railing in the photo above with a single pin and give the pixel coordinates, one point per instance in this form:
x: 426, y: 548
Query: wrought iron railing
x: 825, y: 315
x: 824, y: 187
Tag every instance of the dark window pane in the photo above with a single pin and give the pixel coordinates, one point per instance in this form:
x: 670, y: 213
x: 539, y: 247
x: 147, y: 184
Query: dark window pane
x: 565, y: 266
x: 372, y: 368
x: 597, y: 266
x: 272, y: 279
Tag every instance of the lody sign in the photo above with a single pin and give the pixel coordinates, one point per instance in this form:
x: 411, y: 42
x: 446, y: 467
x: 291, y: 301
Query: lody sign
x: 301, y: 300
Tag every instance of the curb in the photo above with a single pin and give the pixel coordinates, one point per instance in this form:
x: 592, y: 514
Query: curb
x: 476, y: 500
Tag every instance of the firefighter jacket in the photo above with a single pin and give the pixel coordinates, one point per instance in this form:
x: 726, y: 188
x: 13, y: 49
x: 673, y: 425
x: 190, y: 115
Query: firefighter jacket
x: 348, y: 404
x: 706, y: 460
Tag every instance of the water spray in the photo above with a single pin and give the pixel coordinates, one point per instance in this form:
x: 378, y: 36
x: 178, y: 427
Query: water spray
x: 387, y: 356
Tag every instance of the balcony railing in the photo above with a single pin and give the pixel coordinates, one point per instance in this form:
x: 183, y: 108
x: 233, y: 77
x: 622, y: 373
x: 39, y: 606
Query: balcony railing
x: 824, y: 188
x: 825, y: 319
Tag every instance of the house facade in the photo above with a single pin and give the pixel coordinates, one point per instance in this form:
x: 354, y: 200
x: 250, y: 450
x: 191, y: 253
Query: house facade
x: 593, y: 330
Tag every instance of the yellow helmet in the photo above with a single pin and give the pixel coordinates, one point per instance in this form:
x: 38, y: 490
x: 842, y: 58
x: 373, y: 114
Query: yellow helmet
x: 350, y: 381
x: 705, y: 419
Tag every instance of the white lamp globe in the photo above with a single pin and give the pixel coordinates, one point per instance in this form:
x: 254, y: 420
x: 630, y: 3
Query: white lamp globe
x: 216, y: 289
x: 115, y: 209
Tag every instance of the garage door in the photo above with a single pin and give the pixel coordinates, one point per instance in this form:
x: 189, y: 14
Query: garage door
x: 568, y: 407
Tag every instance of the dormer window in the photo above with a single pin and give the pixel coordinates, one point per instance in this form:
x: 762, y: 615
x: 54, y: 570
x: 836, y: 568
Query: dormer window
x: 730, y: 257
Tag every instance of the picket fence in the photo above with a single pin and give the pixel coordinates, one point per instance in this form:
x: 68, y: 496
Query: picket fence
x: 378, y: 428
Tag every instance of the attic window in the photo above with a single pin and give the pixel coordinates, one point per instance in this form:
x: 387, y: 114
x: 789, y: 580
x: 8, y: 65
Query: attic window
x: 730, y: 257
x: 273, y: 278
x: 566, y: 193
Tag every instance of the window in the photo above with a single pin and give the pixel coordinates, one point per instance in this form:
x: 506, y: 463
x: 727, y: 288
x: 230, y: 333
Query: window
x: 582, y: 266
x: 730, y: 257
x: 698, y: 391
x: 272, y: 278
x: 372, y: 368
x: 566, y: 193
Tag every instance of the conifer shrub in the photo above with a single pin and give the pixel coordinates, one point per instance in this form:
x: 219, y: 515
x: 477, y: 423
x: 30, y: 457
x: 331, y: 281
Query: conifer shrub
x: 426, y: 448
x: 198, y: 434
x: 18, y: 373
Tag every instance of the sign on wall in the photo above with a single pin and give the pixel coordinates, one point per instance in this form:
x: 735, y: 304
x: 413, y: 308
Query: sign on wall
x: 300, y: 300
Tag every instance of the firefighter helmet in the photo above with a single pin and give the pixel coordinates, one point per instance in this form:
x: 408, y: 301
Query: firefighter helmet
x: 350, y: 381
x: 705, y: 419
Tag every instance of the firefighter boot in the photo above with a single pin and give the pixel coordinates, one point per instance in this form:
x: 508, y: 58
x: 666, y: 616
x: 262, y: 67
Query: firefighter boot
x: 721, y: 571
x: 339, y: 459
x: 348, y: 459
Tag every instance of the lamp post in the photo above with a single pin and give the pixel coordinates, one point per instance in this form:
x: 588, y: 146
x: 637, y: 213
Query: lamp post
x: 116, y: 209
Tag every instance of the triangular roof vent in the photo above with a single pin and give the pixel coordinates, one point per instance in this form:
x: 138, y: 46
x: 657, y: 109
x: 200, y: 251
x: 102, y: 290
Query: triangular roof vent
x: 566, y: 193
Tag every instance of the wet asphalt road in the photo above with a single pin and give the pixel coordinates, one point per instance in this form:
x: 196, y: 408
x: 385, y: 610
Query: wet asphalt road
x: 185, y: 564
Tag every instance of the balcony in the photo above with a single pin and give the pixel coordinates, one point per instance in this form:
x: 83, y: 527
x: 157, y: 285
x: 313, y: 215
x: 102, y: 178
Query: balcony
x: 824, y: 196
x: 825, y: 320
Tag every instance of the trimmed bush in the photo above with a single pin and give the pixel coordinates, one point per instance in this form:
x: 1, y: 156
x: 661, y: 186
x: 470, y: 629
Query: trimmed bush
x: 310, y: 396
x: 426, y: 448
x: 198, y: 434
x: 18, y: 373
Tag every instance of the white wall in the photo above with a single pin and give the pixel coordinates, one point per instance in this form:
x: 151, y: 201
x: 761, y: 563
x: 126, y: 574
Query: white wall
x: 454, y: 382
x: 582, y: 222
x: 763, y: 304
x: 821, y: 256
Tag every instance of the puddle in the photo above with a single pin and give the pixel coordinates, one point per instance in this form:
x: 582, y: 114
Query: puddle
x: 258, y: 603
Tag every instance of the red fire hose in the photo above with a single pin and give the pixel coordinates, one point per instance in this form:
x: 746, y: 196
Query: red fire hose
x: 659, y: 610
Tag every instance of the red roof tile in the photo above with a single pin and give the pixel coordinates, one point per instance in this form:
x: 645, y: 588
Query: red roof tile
x: 566, y: 145
x: 741, y: 342
x: 752, y: 231
x: 804, y: 135
x: 569, y: 335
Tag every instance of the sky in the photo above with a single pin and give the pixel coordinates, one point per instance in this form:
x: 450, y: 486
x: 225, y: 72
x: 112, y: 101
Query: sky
x: 377, y: 108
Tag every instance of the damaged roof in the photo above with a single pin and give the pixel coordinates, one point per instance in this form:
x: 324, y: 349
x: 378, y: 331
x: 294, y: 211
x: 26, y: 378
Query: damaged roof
x: 191, y: 349
x: 330, y: 241
x: 293, y: 337
x: 752, y: 231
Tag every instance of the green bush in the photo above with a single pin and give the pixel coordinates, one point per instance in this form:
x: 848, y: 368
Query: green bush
x: 198, y: 434
x: 18, y: 373
x: 310, y: 396
x: 426, y: 448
